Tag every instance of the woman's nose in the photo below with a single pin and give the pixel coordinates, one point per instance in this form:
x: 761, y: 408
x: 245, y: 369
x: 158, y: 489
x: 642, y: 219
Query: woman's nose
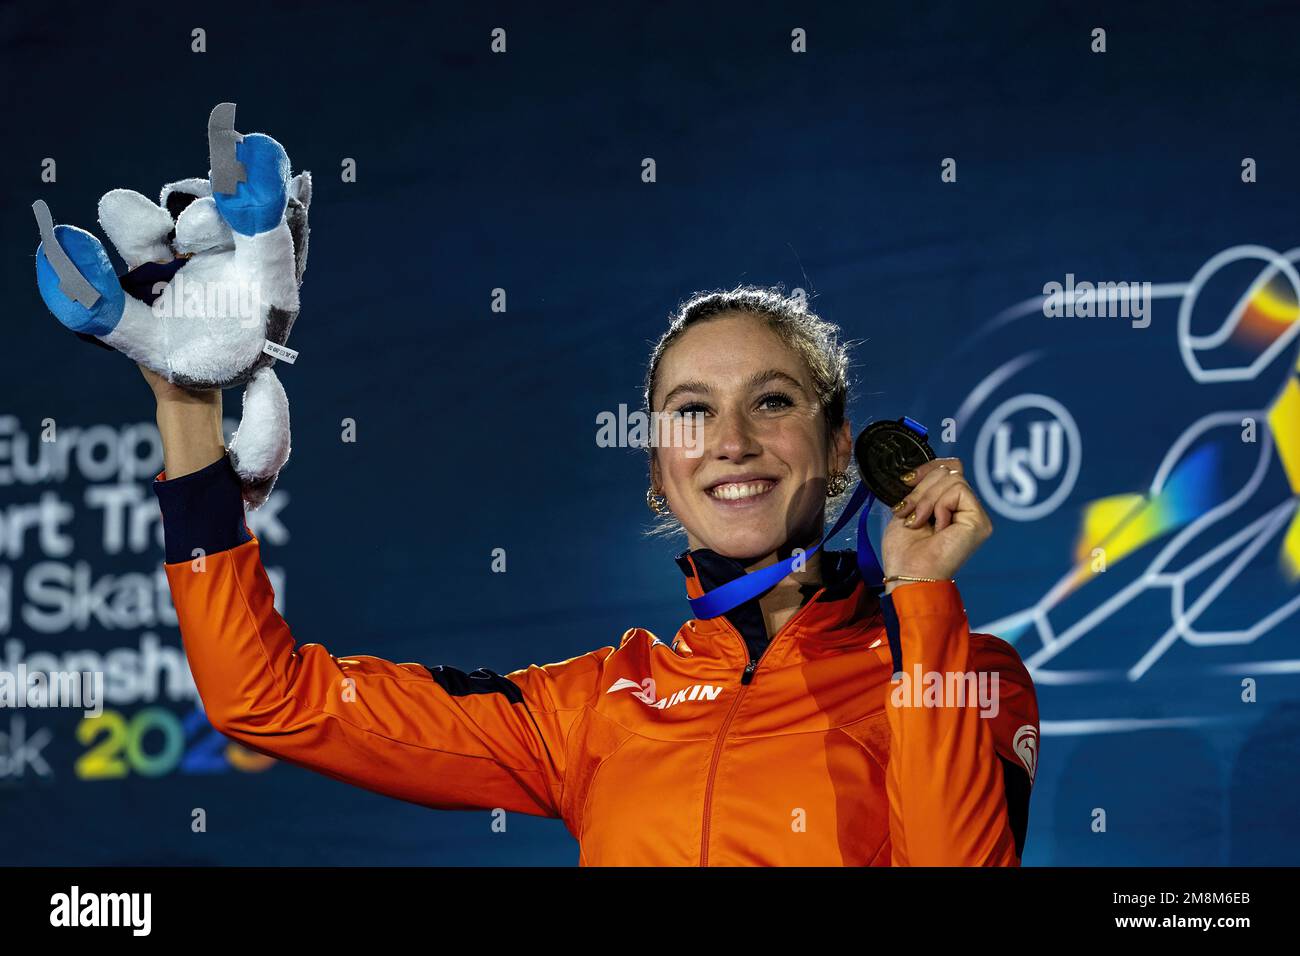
x: 734, y: 437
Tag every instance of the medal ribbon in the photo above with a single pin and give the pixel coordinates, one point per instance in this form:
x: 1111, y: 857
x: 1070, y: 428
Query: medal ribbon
x: 735, y: 593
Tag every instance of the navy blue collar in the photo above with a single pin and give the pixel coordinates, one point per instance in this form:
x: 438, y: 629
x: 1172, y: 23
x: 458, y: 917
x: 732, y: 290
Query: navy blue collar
x: 840, y: 576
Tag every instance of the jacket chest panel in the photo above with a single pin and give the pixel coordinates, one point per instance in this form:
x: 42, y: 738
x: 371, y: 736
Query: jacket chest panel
x: 806, y: 799
x: 633, y: 800
x: 798, y: 800
x: 798, y: 778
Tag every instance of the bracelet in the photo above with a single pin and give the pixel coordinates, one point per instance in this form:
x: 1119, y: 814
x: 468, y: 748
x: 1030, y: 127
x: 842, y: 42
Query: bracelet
x: 904, y: 577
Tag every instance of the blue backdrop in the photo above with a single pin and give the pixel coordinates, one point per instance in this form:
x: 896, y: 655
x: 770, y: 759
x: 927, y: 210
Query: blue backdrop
x: 1167, y: 681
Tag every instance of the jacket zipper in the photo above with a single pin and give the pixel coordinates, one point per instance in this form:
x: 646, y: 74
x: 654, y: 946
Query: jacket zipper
x: 746, y: 678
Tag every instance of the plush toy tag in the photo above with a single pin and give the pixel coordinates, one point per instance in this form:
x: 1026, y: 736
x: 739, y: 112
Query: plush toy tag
x: 282, y: 352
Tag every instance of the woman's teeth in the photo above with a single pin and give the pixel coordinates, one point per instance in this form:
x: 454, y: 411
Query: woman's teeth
x: 734, y: 492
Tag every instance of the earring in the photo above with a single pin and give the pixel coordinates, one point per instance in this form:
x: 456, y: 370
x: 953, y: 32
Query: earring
x: 836, y: 484
x: 657, y: 502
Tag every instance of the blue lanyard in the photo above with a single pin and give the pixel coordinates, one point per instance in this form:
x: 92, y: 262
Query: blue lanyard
x: 735, y: 593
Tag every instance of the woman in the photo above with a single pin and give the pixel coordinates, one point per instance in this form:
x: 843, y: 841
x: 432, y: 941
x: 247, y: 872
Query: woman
x: 771, y: 735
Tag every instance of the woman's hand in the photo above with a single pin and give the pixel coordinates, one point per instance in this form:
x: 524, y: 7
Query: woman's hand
x: 190, y: 424
x: 156, y: 382
x: 165, y: 391
x: 913, y: 547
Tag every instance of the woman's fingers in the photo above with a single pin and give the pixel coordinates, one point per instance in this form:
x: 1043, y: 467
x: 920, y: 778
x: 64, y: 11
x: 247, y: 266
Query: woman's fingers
x: 922, y: 479
x: 956, y: 498
x: 950, y: 465
x: 944, y: 507
x: 926, y: 497
x: 920, y: 485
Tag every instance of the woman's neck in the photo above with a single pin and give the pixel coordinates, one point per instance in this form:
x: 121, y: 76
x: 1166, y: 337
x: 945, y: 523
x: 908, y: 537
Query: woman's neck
x: 784, y: 600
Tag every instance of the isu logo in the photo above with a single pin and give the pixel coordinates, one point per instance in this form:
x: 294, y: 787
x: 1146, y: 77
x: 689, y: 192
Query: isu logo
x: 1027, y: 457
x: 645, y: 692
x: 1025, y: 744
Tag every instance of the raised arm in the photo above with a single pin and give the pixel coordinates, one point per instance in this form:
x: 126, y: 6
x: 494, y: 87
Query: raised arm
x: 436, y: 736
x: 959, y: 777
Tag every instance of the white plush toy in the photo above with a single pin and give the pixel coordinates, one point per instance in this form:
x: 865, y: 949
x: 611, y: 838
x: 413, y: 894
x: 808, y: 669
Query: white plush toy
x: 212, y: 287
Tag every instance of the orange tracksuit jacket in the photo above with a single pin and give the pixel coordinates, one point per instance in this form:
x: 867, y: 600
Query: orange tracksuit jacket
x: 721, y: 749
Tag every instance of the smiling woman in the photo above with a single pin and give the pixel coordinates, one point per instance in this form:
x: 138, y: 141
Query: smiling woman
x: 769, y: 381
x: 765, y: 735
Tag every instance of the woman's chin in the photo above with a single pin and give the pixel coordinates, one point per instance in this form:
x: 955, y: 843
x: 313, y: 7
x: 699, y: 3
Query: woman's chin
x: 744, y: 548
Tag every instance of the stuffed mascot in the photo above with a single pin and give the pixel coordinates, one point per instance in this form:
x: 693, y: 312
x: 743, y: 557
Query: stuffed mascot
x: 211, y: 290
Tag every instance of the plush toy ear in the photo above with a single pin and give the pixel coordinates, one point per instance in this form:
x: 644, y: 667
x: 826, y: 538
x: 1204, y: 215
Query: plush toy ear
x: 296, y: 216
x: 138, y: 229
x: 176, y: 196
x: 200, y: 228
x: 300, y: 188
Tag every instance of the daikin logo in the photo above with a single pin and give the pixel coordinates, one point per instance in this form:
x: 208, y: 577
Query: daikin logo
x: 645, y: 692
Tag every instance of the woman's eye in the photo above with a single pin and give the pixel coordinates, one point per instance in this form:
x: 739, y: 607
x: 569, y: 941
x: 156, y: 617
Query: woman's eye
x: 694, y: 408
x: 775, y: 400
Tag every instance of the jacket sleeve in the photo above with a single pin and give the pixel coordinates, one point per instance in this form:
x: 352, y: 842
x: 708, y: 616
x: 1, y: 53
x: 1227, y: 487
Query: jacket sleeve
x: 435, y: 736
x: 959, y: 774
